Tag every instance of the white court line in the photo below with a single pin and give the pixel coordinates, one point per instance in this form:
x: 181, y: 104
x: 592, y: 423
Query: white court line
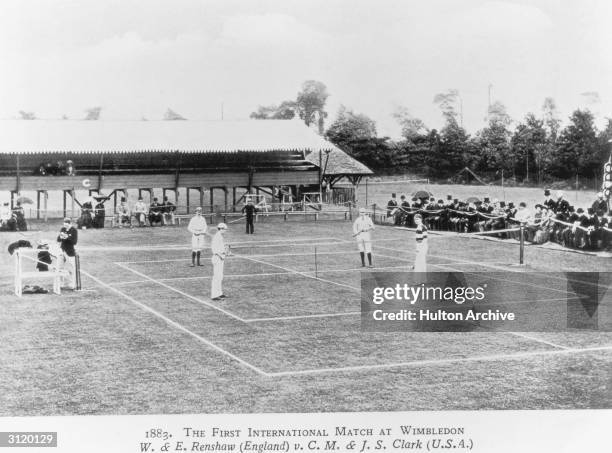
x: 197, y: 299
x: 434, y: 362
x: 178, y: 326
x: 321, y: 315
x: 539, y: 340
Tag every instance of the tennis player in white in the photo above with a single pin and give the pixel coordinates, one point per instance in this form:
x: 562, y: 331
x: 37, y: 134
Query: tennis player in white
x: 420, y: 260
x: 362, y: 228
x: 198, y: 228
x: 219, y: 252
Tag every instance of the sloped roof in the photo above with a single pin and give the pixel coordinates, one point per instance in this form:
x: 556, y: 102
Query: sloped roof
x: 80, y: 136
x: 339, y: 163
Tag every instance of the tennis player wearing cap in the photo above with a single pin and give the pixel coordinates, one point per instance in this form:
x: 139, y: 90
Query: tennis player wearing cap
x: 219, y: 253
x: 361, y: 232
x: 198, y: 228
x: 67, y: 238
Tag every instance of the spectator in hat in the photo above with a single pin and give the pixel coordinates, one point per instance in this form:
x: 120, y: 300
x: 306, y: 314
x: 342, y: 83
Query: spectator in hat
x: 562, y: 204
x: 69, y: 169
x: 600, y: 206
x: 99, y: 212
x: 19, y: 216
x: 549, y: 202
x: 155, y: 213
x: 391, y: 205
x: 168, y: 209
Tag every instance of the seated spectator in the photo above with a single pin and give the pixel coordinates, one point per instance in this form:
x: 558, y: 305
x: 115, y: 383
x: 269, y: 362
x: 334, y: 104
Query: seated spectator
x: 600, y: 206
x: 7, y: 221
x: 86, y: 219
x: 19, y: 217
x: 99, y: 212
x: 123, y: 215
x: 155, y: 213
x: 140, y: 212
x: 69, y: 169
x: 168, y: 209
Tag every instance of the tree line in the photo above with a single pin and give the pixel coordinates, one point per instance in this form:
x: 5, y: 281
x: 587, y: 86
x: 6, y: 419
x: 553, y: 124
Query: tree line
x: 533, y: 150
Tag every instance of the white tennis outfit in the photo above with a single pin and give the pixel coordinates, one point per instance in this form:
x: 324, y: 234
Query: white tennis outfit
x: 198, y: 228
x: 218, y: 258
x: 362, y: 228
x: 420, y: 261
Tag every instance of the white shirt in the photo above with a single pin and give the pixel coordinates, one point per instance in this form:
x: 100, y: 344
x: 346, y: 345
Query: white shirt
x: 140, y: 207
x: 217, y: 245
x: 197, y: 225
x: 5, y: 213
x: 362, y: 227
x: 523, y: 215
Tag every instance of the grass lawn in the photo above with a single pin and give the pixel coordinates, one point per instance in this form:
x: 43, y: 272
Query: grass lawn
x: 143, y: 337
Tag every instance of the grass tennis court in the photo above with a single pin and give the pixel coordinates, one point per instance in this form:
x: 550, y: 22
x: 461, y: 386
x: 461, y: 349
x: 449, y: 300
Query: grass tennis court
x: 143, y: 337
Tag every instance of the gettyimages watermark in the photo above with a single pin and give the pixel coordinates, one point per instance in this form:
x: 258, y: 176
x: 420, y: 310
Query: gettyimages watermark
x: 486, y: 301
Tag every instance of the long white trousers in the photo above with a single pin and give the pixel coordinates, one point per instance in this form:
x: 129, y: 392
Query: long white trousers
x: 217, y: 278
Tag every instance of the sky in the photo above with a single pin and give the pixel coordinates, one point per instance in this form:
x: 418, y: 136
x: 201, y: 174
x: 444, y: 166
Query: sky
x: 135, y: 59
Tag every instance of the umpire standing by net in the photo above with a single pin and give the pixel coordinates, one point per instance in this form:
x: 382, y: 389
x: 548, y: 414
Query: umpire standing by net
x: 249, y: 211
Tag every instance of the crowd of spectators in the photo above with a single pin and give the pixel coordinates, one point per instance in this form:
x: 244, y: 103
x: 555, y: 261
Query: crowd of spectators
x: 554, y: 219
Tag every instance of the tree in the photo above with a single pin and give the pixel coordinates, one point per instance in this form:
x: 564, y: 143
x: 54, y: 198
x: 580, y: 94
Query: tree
x: 450, y: 104
x: 27, y: 115
x: 497, y: 113
x: 412, y: 127
x: 285, y: 111
x: 350, y: 126
x: 311, y: 103
x: 454, y: 147
x: 171, y: 115
x: 551, y: 120
x: 528, y: 145
x: 93, y: 113
x: 577, y: 147
x: 494, y: 147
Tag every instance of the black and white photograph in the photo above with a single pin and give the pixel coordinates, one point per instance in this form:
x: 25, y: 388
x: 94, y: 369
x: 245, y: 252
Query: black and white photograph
x: 351, y: 225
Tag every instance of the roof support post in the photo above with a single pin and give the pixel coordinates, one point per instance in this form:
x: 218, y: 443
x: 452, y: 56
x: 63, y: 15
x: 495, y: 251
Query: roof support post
x: 18, y: 182
x: 187, y: 198
x: 100, y: 172
x: 212, y: 202
x: 201, y: 189
x: 64, y: 202
x: 225, y: 196
x: 234, y: 199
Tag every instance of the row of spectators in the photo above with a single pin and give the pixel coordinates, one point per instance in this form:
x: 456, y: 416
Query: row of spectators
x: 555, y: 219
x: 59, y: 168
x: 155, y: 213
x: 93, y: 213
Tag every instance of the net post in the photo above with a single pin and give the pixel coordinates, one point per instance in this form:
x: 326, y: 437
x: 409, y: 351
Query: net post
x: 316, y: 264
x: 522, y: 243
